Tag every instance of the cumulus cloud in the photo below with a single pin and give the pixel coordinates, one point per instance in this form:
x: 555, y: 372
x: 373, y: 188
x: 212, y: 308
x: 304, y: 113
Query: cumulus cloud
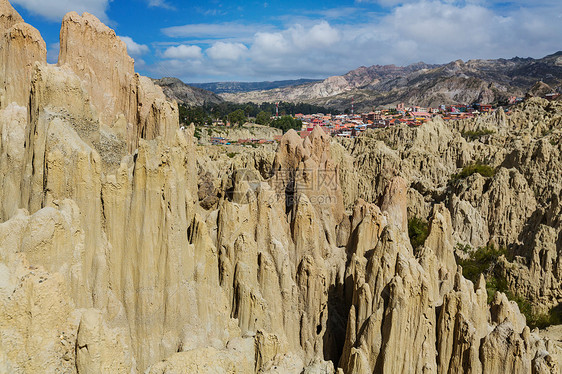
x: 53, y: 53
x: 433, y: 31
x: 54, y: 10
x: 227, y: 51
x: 296, y: 40
x: 271, y: 44
x: 183, y: 52
x: 134, y: 49
x: 440, y: 31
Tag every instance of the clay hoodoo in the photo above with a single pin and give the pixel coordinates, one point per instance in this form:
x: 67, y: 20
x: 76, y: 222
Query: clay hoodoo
x: 126, y: 248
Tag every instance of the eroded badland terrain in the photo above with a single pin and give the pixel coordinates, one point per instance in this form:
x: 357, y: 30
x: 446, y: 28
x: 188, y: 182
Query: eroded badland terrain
x: 125, y: 247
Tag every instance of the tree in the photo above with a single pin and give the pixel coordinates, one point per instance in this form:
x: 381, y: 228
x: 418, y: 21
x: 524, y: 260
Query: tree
x: 286, y: 123
x: 263, y: 118
x: 237, y: 117
x: 196, y: 115
x: 249, y: 109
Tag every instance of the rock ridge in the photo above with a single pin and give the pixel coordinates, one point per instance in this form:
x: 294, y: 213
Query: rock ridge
x: 127, y: 248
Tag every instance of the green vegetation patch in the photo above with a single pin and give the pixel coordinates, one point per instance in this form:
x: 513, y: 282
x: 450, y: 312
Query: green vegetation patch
x: 496, y: 283
x: 484, y: 261
x: 481, y: 261
x: 418, y: 230
x: 473, y: 135
x: 237, y: 117
x: 263, y: 118
x: 234, y: 113
x: 467, y: 171
x: 286, y: 123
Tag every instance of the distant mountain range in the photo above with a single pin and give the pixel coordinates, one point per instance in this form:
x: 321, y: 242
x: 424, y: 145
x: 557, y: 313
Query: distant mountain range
x: 197, y: 94
x: 484, y: 81
x: 175, y: 89
x: 458, y: 82
x: 234, y: 87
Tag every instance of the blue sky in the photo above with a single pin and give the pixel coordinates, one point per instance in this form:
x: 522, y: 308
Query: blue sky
x: 203, y: 41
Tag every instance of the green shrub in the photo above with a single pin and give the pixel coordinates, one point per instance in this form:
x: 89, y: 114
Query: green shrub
x: 496, y: 283
x: 465, y: 248
x: 467, y: 171
x: 418, y: 229
x: 481, y: 261
x: 473, y: 135
x: 540, y: 320
x: 231, y: 154
x: 484, y: 261
x: 553, y: 317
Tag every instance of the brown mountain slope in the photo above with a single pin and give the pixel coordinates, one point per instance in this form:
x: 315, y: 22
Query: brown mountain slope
x: 484, y: 81
x: 175, y: 89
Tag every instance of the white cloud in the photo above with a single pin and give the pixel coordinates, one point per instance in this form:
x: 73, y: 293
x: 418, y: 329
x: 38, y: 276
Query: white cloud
x: 441, y: 31
x: 271, y: 44
x: 295, y: 40
x: 53, y: 53
x: 160, y: 3
x: 388, y: 3
x: 460, y: 3
x: 433, y: 31
x: 183, y: 52
x: 54, y: 10
x: 227, y: 51
x: 133, y: 48
x: 321, y: 35
x: 337, y: 13
x: 230, y: 30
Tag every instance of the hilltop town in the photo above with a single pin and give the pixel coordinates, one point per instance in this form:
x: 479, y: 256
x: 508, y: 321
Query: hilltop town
x: 351, y: 125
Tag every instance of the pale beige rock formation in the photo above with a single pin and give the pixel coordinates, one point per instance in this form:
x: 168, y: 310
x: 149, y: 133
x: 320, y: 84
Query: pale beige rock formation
x: 95, y: 53
x: 9, y: 16
x: 506, y: 209
x: 398, y: 322
x: 132, y: 105
x: 248, y: 131
x: 125, y: 248
x: 13, y: 121
x: 21, y: 46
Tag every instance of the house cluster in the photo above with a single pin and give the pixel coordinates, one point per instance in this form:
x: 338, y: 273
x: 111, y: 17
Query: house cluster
x: 352, y: 125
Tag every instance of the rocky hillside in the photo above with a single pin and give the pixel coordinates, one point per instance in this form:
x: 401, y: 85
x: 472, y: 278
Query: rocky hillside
x: 233, y: 87
x: 126, y: 248
x: 498, y: 175
x: 484, y: 81
x: 174, y: 89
